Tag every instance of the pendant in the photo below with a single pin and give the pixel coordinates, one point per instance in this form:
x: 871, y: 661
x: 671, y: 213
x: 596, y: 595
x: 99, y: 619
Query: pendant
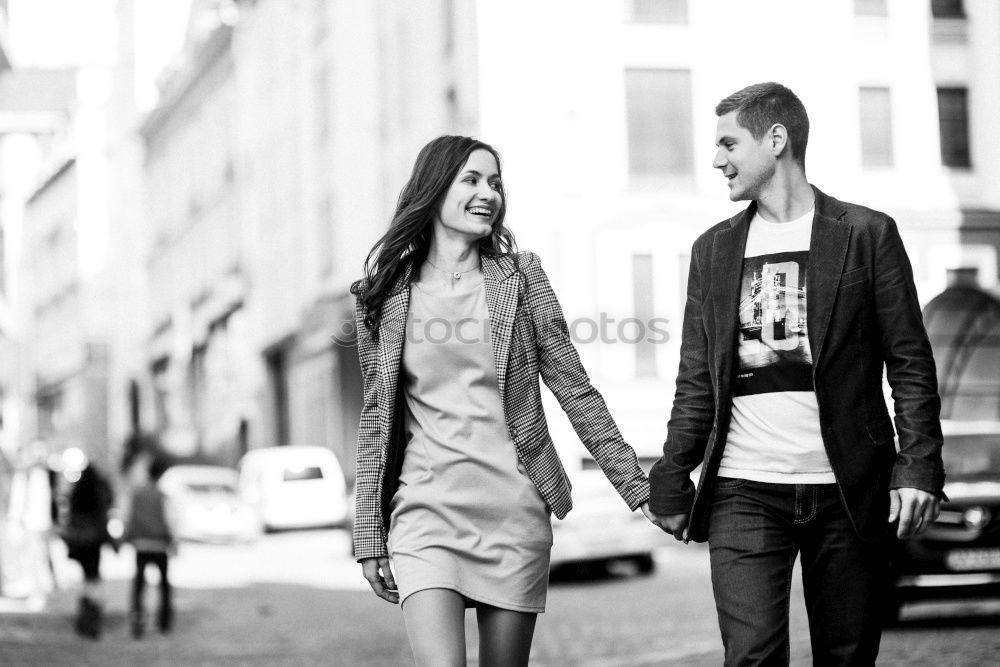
x: 457, y: 275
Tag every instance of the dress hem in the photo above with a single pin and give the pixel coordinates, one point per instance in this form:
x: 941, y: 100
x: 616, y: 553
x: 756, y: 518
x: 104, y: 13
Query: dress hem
x: 473, y: 597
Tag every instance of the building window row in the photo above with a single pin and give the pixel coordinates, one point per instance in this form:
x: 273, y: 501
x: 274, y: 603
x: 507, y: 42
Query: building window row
x: 940, y: 9
x: 659, y: 124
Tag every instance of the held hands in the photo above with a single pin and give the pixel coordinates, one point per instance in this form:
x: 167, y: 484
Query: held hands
x: 915, y: 509
x: 379, y: 576
x: 675, y: 524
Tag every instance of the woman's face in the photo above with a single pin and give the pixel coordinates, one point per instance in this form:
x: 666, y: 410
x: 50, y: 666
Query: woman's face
x: 473, y: 201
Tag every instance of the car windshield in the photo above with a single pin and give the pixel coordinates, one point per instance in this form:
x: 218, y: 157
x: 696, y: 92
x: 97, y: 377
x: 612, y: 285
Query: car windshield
x: 303, y: 473
x: 972, y: 454
x: 210, y: 487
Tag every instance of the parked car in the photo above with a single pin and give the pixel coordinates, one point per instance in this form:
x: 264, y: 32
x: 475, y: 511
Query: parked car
x: 204, y: 504
x: 296, y: 486
x: 959, y: 555
x: 600, y: 529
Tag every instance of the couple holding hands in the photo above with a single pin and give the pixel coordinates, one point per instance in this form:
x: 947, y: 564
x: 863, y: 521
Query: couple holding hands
x: 794, y: 308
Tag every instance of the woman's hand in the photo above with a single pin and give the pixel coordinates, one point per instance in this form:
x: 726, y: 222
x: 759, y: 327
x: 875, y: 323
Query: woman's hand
x: 379, y: 576
x: 675, y: 524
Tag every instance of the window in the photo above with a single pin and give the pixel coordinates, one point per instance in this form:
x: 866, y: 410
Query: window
x: 324, y: 237
x: 876, y: 127
x: 659, y: 11
x: 658, y: 104
x: 947, y: 9
x: 953, y: 121
x: 642, y: 297
x: 870, y: 8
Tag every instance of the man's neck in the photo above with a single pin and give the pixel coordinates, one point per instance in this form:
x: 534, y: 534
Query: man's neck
x: 788, y: 197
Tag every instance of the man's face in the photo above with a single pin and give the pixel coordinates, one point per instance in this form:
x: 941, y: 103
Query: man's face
x: 746, y: 163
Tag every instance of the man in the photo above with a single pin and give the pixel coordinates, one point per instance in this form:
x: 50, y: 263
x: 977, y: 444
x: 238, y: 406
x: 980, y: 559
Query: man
x: 793, y: 308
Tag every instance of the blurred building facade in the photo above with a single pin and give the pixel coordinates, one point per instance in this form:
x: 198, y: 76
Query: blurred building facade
x: 186, y: 272
x: 279, y: 146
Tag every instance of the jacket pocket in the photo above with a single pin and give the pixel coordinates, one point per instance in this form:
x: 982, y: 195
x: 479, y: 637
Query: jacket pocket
x: 854, y: 276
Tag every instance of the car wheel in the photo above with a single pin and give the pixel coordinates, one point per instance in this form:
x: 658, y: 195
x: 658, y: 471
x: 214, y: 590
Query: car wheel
x: 645, y: 563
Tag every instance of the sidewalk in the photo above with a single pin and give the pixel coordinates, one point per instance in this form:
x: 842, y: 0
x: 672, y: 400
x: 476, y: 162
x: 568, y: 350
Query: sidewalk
x: 261, y: 624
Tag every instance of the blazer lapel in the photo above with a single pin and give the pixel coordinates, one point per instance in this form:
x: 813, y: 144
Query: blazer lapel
x: 392, y: 333
x: 827, y: 252
x: 502, y: 284
x: 727, y: 270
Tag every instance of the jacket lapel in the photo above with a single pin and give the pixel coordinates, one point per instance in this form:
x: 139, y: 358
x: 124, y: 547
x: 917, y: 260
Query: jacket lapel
x: 727, y: 270
x: 827, y: 252
x: 502, y: 284
x: 392, y: 333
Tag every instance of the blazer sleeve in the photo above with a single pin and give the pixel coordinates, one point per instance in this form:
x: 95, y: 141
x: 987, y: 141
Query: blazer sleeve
x: 563, y: 373
x: 672, y: 491
x: 369, y: 531
x: 909, y: 367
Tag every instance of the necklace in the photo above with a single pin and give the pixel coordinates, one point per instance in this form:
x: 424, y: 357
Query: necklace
x: 457, y: 275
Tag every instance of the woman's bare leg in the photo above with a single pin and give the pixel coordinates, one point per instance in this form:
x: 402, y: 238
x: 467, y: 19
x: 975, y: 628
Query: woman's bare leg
x: 504, y: 636
x: 435, y: 626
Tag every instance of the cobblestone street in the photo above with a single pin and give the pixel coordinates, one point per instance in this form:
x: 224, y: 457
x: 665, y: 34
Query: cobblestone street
x: 297, y: 599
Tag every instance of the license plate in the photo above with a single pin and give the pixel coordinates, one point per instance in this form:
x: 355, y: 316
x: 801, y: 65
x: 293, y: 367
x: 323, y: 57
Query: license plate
x: 963, y: 560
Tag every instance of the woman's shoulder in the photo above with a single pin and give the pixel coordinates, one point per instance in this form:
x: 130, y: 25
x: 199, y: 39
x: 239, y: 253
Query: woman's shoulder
x: 359, y: 287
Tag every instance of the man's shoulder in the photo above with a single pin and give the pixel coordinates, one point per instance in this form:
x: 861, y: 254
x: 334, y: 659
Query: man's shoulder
x: 856, y: 215
x: 706, y: 236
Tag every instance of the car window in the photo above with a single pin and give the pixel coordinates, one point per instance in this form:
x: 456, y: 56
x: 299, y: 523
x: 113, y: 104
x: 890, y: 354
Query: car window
x: 300, y: 474
x: 971, y: 454
x: 209, y: 487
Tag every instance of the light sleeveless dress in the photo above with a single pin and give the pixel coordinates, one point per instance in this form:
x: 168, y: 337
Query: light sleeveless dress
x: 466, y: 516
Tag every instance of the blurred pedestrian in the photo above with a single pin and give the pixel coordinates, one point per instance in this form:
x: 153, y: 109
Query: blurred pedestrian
x: 148, y: 531
x: 30, y: 526
x: 456, y: 472
x: 85, y: 533
x: 794, y: 308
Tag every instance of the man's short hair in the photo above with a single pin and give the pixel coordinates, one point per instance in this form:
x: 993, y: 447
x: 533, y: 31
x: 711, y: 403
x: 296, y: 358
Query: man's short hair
x: 762, y: 105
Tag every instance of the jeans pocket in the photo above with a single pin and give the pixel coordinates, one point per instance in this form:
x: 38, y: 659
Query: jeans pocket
x: 729, y: 482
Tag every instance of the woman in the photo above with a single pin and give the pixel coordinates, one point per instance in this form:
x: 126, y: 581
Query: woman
x: 85, y: 533
x: 456, y: 473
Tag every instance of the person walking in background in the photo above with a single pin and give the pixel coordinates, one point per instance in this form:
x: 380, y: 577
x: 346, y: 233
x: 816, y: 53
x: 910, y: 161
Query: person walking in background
x: 85, y: 533
x: 456, y: 472
x: 148, y: 531
x: 794, y: 306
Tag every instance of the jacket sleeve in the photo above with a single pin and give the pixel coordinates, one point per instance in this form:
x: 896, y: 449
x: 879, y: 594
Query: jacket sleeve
x: 369, y: 531
x: 909, y: 367
x: 563, y: 373
x: 672, y: 491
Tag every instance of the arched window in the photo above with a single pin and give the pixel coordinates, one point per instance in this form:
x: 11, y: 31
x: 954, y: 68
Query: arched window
x: 963, y: 324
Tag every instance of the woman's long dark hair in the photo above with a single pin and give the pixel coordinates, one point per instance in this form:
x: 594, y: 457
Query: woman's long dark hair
x: 408, y: 239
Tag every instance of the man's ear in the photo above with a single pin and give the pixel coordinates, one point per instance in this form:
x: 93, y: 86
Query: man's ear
x: 778, y: 136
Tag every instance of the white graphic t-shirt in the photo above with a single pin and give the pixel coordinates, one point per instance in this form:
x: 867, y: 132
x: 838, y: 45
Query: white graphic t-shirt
x: 774, y: 434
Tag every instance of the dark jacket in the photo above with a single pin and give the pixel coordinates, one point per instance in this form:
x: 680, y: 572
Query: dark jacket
x: 863, y: 315
x: 529, y: 337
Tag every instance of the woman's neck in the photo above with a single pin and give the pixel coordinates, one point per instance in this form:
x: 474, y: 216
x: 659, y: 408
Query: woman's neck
x: 449, y: 260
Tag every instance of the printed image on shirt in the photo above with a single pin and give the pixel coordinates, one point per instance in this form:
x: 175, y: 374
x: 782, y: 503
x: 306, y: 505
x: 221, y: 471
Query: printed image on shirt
x: 774, y: 350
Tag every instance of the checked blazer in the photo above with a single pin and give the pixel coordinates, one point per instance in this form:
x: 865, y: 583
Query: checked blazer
x: 530, y: 338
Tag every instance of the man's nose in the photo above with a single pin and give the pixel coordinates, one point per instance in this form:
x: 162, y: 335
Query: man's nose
x: 720, y: 159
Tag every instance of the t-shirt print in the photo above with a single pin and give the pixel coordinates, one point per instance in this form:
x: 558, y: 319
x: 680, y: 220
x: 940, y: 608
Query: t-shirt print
x: 774, y: 350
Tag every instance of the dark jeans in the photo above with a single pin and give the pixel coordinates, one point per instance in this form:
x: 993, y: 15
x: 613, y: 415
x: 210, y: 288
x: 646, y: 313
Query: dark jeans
x: 756, y: 530
x: 166, y: 613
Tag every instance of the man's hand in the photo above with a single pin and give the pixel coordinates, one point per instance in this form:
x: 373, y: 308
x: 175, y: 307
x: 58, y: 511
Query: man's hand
x: 915, y: 509
x: 675, y: 524
x: 381, y: 582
